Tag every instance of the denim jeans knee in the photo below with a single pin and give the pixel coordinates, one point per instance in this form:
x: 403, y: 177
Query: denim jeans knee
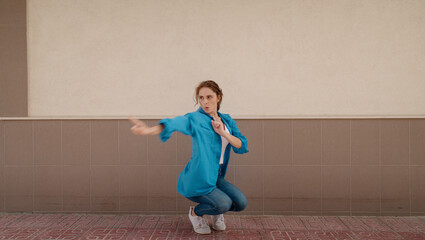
x: 240, y: 204
x: 213, y: 203
x: 239, y: 201
x: 223, y: 205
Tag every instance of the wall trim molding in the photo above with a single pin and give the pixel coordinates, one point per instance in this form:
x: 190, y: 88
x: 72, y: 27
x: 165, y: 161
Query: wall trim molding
x: 234, y: 117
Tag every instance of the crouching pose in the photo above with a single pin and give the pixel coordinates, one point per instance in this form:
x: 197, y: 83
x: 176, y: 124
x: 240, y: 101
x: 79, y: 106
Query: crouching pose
x: 213, y: 135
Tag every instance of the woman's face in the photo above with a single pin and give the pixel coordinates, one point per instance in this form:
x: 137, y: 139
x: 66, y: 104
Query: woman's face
x: 208, y: 100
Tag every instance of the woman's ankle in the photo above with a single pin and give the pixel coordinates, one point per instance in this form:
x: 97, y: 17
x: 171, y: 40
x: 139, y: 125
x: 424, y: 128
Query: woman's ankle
x: 193, y: 212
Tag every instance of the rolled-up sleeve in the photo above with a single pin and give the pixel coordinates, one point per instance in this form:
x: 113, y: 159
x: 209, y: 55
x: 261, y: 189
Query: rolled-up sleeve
x: 238, y: 134
x: 179, y: 123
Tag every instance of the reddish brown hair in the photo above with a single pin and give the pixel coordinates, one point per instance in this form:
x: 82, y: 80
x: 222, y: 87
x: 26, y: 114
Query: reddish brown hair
x: 214, y: 87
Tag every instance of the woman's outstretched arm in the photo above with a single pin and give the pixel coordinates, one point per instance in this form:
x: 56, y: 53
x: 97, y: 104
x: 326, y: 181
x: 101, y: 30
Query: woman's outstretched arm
x: 140, y: 128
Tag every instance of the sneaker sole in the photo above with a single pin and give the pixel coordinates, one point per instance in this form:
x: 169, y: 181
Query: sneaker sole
x: 218, y: 229
x: 203, y: 233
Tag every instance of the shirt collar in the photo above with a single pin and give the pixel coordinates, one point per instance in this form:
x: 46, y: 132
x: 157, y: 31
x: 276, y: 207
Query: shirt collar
x: 202, y: 111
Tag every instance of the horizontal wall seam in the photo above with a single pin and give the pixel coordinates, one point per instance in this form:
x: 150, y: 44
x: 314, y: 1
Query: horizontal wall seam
x: 234, y: 117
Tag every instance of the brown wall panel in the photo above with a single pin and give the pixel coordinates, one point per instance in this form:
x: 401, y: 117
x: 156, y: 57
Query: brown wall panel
x: 76, y: 188
x: 52, y: 166
x: 13, y: 59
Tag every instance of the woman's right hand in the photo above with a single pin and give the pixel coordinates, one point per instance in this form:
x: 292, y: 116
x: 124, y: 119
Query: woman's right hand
x: 139, y: 128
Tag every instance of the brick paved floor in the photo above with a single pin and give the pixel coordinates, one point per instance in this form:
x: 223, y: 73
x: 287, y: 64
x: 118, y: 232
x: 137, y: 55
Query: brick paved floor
x: 80, y: 226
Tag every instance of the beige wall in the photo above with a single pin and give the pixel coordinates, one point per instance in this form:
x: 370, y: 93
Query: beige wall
x: 272, y: 58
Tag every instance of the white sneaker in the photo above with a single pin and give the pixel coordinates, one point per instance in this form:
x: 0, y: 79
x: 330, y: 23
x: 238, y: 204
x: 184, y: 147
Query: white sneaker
x: 200, y: 224
x: 218, y: 222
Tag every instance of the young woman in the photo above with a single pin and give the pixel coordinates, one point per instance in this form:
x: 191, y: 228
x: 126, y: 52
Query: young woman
x: 213, y: 134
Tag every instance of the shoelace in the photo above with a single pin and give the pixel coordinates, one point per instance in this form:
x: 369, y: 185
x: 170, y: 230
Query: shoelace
x: 202, y: 222
x: 220, y: 218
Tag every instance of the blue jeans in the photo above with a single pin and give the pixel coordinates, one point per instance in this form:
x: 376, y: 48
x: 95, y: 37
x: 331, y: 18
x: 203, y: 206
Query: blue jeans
x: 226, y: 197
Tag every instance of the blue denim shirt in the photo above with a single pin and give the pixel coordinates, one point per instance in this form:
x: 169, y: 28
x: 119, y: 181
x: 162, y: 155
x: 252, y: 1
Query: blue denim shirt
x: 200, y: 174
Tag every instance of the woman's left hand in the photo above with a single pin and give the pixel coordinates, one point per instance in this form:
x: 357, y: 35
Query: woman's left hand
x: 218, y: 125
